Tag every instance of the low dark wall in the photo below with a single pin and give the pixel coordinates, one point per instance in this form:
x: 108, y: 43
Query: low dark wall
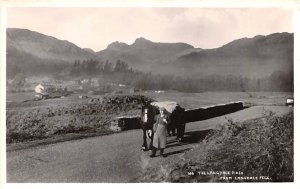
x: 212, y: 111
x: 127, y: 123
x: 199, y: 114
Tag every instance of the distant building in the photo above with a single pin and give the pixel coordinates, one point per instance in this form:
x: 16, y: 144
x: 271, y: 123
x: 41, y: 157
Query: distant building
x: 133, y: 90
x: 159, y: 92
x: 39, y: 89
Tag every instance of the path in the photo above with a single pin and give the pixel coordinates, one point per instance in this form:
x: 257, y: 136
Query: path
x: 111, y: 158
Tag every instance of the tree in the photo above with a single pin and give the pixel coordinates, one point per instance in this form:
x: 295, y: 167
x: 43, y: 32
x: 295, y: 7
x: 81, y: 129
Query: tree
x: 107, y: 67
x: 121, y: 67
x: 91, y: 67
x: 19, y: 80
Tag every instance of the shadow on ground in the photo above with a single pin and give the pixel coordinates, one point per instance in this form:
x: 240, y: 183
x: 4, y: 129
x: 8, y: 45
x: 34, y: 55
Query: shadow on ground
x: 197, y: 136
x: 177, y: 152
x: 189, y: 138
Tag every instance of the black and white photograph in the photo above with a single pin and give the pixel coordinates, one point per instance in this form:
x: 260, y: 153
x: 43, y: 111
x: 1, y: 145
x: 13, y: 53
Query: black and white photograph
x: 148, y: 94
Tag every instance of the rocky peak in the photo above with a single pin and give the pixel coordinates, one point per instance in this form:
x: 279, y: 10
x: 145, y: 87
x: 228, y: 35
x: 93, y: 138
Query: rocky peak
x: 117, y: 46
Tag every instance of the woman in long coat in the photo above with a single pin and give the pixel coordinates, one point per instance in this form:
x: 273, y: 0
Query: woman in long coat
x: 160, y: 132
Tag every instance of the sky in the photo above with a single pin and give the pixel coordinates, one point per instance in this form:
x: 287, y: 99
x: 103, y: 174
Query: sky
x: 96, y: 28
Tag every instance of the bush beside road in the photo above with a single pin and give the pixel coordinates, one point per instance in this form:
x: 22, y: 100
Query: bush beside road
x: 89, y: 116
x: 257, y: 150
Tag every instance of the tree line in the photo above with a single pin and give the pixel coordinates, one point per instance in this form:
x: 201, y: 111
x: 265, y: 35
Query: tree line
x: 278, y: 81
x: 93, y: 67
x: 120, y: 72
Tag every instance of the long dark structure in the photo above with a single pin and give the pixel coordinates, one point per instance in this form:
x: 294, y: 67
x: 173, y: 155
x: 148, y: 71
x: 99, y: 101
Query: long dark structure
x: 209, y: 112
x: 178, y: 118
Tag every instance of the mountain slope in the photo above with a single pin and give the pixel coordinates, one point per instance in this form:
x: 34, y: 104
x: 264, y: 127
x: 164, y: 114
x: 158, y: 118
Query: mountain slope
x: 43, y: 47
x: 256, y: 57
x: 250, y: 57
x: 143, y: 53
x: 253, y: 57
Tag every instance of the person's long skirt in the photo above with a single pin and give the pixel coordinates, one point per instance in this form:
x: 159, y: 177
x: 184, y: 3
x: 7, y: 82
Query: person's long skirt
x: 160, y: 137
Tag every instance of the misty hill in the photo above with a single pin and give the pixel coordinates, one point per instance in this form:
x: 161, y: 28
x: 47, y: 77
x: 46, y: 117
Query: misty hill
x: 252, y: 57
x: 143, y: 53
x: 40, y: 46
x: 256, y: 57
x: 89, y: 50
x: 30, y: 52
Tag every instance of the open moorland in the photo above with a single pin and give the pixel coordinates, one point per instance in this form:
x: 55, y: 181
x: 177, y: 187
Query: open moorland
x: 251, y: 145
x: 80, y: 115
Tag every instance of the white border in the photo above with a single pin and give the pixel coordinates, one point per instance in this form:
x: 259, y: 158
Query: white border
x: 296, y: 94
x: 148, y: 3
x: 2, y: 95
x: 152, y: 3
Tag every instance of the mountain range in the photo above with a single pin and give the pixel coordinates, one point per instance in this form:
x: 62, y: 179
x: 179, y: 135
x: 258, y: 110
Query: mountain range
x: 44, y: 47
x: 259, y: 56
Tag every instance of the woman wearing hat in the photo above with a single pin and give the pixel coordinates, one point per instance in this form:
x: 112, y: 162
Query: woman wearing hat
x: 160, y: 132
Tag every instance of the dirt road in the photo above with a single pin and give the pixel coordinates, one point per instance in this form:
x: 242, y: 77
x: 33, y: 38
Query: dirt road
x: 111, y: 158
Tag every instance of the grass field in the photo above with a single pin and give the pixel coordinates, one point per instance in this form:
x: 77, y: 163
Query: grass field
x: 35, y: 120
x: 256, y: 150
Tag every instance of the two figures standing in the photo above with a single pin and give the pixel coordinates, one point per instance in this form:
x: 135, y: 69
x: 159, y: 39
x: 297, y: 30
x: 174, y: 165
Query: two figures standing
x: 160, y: 132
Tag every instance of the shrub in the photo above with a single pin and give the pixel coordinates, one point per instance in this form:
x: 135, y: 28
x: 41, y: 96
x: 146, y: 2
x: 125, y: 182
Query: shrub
x: 259, y: 147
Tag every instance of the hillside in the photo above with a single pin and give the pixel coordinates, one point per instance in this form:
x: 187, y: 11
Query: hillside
x: 23, y: 41
x: 30, y: 52
x: 143, y: 53
x: 257, y: 57
x: 253, y: 57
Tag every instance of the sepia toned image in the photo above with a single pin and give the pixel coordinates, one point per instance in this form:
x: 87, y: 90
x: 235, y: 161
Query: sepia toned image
x: 149, y: 94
